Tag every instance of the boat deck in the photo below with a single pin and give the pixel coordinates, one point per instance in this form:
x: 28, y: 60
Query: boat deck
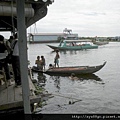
x: 11, y: 97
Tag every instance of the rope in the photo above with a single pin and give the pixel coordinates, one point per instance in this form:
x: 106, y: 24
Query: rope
x: 67, y: 97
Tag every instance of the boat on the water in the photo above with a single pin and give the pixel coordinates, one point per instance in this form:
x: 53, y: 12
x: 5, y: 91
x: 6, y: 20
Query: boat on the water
x: 71, y: 69
x: 100, y: 42
x: 74, y: 45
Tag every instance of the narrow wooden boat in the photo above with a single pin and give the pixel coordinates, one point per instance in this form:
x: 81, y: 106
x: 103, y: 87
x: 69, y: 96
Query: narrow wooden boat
x: 74, y: 45
x: 71, y: 69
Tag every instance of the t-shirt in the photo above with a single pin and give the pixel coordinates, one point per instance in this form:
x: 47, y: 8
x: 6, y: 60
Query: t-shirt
x: 15, y: 49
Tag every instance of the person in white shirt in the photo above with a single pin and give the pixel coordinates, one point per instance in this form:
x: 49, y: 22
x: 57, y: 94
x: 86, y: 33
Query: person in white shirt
x: 16, y: 61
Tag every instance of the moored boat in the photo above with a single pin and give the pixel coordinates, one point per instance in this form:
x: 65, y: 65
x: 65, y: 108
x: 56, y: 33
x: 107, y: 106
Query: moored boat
x: 74, y: 45
x: 71, y: 69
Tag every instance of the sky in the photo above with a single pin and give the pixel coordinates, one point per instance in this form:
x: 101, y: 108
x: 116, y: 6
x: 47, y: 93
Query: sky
x: 87, y: 18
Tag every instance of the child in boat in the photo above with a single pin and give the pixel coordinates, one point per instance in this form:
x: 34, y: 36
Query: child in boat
x: 43, y: 62
x: 38, y: 62
x: 56, y: 60
x: 51, y: 66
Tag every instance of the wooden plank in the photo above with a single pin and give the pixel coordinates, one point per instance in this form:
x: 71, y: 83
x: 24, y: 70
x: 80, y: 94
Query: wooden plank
x: 3, y: 94
x: 11, y: 97
x: 18, y: 93
x: 19, y: 103
x: 11, y: 93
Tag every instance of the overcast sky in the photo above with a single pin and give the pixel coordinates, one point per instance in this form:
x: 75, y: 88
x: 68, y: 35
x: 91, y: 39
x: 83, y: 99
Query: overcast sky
x: 85, y: 17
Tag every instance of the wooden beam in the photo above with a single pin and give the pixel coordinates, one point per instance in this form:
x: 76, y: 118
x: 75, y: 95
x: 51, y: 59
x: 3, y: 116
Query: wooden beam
x: 22, y: 40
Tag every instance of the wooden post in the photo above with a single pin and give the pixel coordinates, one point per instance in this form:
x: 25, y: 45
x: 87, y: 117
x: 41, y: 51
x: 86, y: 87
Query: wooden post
x: 22, y: 41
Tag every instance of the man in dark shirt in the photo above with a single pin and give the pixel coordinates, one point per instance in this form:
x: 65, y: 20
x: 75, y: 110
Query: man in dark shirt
x: 3, y: 62
x: 2, y: 46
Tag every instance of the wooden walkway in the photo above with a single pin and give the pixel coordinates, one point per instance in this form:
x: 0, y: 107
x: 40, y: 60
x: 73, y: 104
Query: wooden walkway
x: 11, y: 97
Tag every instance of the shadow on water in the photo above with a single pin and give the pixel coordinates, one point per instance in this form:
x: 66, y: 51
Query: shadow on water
x: 80, y: 77
x: 59, y: 91
x: 41, y: 77
x: 58, y: 85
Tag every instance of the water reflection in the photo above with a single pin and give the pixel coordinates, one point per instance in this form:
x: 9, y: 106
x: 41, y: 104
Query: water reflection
x: 64, y: 51
x: 56, y: 81
x: 89, y: 77
x: 80, y: 77
x: 72, y: 52
x: 41, y: 78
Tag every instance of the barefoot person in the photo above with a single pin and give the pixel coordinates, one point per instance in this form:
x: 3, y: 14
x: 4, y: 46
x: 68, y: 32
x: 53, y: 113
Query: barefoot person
x: 38, y: 63
x: 56, y: 60
x: 43, y: 62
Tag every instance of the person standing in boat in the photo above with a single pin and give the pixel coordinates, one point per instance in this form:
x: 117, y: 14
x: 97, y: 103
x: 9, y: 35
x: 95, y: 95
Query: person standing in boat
x: 38, y: 62
x: 43, y: 62
x: 56, y: 60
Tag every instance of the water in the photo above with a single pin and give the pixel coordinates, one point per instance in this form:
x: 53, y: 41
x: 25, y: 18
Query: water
x: 91, y: 94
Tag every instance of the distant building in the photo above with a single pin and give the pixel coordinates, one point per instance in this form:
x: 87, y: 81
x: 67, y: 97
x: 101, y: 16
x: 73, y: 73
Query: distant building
x: 117, y: 39
x: 51, y: 37
x: 101, y: 38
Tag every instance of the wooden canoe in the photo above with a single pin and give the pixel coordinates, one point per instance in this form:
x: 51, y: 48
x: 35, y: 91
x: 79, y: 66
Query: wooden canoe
x: 71, y: 69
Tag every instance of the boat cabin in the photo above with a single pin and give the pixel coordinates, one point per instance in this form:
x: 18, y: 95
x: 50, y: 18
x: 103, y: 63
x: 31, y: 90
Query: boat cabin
x: 64, y: 43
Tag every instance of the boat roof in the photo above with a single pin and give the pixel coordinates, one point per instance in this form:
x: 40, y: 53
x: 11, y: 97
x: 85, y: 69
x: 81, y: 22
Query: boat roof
x: 78, y: 40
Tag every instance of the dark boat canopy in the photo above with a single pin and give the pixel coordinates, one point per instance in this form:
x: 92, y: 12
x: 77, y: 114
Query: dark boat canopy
x: 34, y: 11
